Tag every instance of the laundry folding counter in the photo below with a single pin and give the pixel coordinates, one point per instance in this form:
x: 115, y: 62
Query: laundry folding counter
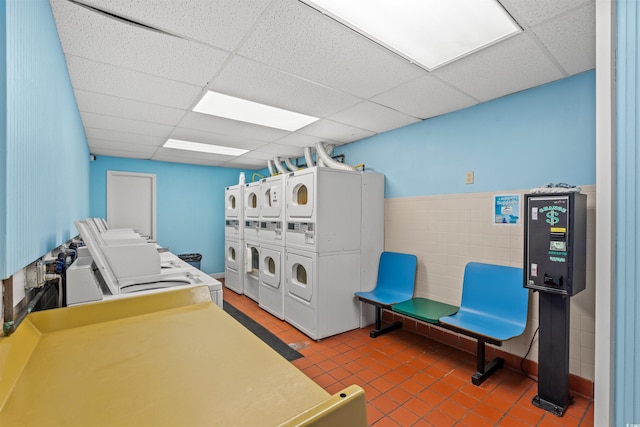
x: 167, y: 359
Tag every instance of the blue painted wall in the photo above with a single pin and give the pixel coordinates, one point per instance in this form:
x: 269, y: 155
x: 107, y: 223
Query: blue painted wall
x: 3, y: 138
x: 627, y: 299
x: 189, y: 204
x: 545, y: 134
x: 45, y: 158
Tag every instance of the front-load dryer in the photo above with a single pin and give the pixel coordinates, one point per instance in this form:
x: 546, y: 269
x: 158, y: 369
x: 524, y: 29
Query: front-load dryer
x: 319, y: 291
x: 271, y: 290
x: 323, y: 209
x: 251, y: 269
x: 234, y: 212
x: 233, y: 265
x: 252, y: 206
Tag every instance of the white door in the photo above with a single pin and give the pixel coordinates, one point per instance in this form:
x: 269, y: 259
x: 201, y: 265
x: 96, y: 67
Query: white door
x: 131, y: 201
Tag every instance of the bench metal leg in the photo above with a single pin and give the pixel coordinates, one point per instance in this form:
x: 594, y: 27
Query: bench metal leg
x: 484, y: 371
x: 379, y: 330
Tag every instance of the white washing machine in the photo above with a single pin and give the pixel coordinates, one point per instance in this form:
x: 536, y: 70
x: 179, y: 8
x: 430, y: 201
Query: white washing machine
x: 251, y: 269
x: 233, y: 212
x: 272, y: 211
x: 252, y: 206
x: 323, y: 209
x: 234, y: 265
x: 319, y: 291
x: 271, y: 292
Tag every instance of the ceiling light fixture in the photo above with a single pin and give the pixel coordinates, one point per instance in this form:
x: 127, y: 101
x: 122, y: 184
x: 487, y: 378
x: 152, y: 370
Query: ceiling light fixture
x: 430, y: 33
x: 203, y: 148
x: 218, y: 104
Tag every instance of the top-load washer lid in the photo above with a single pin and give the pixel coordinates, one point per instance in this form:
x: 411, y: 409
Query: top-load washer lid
x: 162, y: 284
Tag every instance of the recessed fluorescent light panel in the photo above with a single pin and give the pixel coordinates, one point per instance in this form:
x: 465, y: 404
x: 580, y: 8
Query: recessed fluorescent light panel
x: 203, y: 148
x: 430, y: 33
x: 217, y: 104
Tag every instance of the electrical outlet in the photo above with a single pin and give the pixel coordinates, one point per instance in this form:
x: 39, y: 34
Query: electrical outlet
x: 42, y: 271
x: 34, y: 274
x: 31, y: 276
x: 469, y: 178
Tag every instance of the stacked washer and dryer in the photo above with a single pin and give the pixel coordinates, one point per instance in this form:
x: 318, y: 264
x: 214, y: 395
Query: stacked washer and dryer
x: 272, y: 241
x: 252, y: 208
x: 234, y: 238
x: 319, y: 238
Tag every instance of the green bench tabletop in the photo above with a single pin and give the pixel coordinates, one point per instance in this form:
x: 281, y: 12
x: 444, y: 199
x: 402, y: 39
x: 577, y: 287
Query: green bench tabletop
x: 424, y: 309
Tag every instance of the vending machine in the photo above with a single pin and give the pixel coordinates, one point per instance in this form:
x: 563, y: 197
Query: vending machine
x: 555, y: 229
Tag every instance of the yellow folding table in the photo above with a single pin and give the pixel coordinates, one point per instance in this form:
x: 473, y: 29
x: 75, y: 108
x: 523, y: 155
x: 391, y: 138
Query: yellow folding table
x: 166, y: 359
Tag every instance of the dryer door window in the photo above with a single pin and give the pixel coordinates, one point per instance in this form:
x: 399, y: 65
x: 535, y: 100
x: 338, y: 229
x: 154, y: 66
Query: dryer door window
x: 300, y: 277
x: 252, y: 205
x: 270, y: 272
x: 232, y: 203
x: 231, y: 260
x: 300, y: 196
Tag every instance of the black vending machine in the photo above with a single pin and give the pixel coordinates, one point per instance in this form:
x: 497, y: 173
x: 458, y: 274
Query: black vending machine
x: 555, y: 231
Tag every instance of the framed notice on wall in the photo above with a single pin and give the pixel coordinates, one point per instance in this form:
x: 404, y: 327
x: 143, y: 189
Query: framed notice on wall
x: 506, y: 209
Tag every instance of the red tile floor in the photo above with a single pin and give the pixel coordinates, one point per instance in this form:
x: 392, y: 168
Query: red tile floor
x: 411, y: 380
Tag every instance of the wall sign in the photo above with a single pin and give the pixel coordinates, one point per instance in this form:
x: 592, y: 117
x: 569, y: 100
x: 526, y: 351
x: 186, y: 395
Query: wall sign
x: 506, y: 209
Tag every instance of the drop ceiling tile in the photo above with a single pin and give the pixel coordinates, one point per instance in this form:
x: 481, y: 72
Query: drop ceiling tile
x: 220, y: 23
x: 92, y: 35
x: 258, y: 82
x: 373, y: 117
x: 282, y: 150
x: 297, y: 139
x: 125, y: 125
x: 571, y: 39
x: 512, y: 65
x: 425, y: 97
x: 330, y: 130
x: 244, y: 163
x: 296, y: 38
x: 215, y: 138
x: 187, y: 160
x: 119, y: 153
x: 164, y: 153
x: 535, y: 12
x: 259, y: 155
x: 124, y: 137
x: 213, y: 124
x: 107, y: 79
x: 98, y: 103
x: 95, y: 144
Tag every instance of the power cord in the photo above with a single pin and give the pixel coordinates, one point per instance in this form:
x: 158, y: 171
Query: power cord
x: 525, y: 356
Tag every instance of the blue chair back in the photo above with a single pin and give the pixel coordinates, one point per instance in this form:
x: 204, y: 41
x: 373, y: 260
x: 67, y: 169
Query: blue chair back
x: 484, y: 283
x: 397, y: 274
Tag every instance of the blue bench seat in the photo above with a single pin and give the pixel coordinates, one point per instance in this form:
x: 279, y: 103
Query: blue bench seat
x: 396, y: 282
x: 424, y: 309
x: 493, y: 309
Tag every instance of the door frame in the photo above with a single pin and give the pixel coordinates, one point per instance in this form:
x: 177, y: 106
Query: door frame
x: 111, y: 174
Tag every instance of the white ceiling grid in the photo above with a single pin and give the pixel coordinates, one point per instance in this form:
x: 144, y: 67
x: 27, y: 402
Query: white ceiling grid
x: 137, y: 69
